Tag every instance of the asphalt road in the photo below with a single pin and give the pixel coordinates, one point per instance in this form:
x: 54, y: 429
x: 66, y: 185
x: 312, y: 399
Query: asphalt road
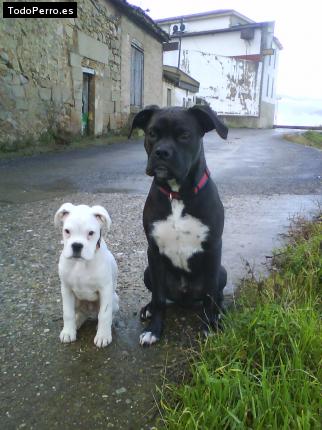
x: 250, y: 162
x: 263, y: 180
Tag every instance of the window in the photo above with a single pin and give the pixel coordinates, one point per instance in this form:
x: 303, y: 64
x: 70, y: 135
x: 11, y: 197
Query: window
x: 169, y: 97
x: 137, y: 61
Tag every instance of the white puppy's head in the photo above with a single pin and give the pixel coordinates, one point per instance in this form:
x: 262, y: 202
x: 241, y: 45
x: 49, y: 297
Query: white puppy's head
x: 82, y: 226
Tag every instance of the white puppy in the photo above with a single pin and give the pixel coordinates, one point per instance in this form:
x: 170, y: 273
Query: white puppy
x: 87, y: 271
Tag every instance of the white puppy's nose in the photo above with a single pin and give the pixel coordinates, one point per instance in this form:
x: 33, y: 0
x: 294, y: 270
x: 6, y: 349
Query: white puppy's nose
x: 77, y: 247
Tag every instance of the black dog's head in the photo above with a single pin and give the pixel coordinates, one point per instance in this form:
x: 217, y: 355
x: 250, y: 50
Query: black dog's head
x: 173, y: 138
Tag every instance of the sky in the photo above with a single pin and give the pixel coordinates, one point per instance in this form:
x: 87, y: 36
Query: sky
x: 298, y: 26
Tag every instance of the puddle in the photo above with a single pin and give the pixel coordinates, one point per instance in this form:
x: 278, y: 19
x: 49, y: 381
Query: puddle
x: 78, y: 385
x: 253, y: 228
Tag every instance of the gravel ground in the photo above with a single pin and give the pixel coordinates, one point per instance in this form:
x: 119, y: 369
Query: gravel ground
x: 49, y: 385
x: 32, y: 246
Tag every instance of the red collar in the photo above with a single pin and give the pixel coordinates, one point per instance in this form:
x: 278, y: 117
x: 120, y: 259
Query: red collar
x: 176, y: 195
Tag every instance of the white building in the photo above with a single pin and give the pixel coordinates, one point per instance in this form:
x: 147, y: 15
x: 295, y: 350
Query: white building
x: 234, y: 58
x: 179, y: 89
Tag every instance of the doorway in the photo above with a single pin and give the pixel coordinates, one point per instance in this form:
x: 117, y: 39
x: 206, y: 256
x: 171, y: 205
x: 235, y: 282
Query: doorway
x: 88, y: 101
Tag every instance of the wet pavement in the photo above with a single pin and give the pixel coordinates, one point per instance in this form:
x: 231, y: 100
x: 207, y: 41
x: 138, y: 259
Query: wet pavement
x: 263, y: 181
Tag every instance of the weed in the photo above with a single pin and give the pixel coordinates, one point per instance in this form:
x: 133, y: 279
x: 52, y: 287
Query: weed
x: 308, y: 138
x: 264, y: 370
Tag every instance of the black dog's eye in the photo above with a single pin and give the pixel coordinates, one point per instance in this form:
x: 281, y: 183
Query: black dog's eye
x: 184, y: 135
x: 90, y: 233
x: 152, y: 134
x: 67, y: 231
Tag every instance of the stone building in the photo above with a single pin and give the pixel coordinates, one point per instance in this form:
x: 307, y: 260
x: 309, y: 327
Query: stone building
x: 234, y: 58
x: 82, y: 75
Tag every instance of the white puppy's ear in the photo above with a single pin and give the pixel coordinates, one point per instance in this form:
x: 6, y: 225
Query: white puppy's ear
x: 62, y: 212
x: 102, y: 215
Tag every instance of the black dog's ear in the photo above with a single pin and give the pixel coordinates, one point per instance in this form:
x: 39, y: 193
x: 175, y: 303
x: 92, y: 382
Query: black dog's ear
x: 208, y: 120
x: 142, y: 118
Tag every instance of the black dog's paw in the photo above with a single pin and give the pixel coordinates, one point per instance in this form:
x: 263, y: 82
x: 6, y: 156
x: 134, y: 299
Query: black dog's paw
x: 152, y: 333
x: 146, y: 312
x: 148, y: 338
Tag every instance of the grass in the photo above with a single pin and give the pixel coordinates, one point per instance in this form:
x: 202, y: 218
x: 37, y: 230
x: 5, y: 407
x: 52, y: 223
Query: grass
x: 264, y: 370
x: 309, y: 138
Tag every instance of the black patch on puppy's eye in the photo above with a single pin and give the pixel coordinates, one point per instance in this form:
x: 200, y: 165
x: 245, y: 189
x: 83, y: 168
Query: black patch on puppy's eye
x: 67, y: 231
x: 90, y: 233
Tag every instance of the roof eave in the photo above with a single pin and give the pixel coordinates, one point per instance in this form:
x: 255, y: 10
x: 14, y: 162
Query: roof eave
x: 220, y: 30
x: 278, y: 43
x: 177, y: 75
x: 137, y: 15
x: 220, y: 12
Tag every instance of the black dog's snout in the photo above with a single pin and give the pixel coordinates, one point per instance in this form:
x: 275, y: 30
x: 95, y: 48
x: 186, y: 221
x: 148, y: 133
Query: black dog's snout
x: 163, y: 153
x: 77, y: 247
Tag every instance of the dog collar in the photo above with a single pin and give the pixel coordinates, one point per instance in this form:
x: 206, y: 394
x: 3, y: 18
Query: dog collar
x: 176, y: 195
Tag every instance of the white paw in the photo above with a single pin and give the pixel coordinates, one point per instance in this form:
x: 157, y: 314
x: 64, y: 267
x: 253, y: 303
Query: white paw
x: 102, y: 340
x: 145, y: 314
x: 147, y: 338
x: 148, y: 314
x: 67, y: 336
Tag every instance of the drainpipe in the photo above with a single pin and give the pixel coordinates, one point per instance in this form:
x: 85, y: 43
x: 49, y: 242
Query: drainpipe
x: 179, y: 53
x: 182, y: 27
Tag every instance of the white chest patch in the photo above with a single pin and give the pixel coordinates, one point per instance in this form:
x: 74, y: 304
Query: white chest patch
x: 179, y: 236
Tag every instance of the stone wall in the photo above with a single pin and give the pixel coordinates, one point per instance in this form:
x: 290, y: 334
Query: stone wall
x: 34, y: 72
x: 267, y: 115
x: 264, y: 120
x: 41, y: 75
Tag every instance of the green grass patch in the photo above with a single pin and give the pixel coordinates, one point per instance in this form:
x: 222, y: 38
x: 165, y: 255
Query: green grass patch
x: 308, y: 138
x: 264, y: 370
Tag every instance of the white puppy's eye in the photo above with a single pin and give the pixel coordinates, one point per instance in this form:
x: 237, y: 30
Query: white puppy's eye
x: 67, y: 231
x: 90, y: 233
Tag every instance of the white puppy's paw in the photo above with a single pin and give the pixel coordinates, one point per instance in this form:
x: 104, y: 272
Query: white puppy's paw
x: 103, y: 339
x: 148, y: 338
x: 67, y: 336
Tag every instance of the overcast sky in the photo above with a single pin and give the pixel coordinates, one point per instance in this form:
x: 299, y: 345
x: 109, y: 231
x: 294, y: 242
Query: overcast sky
x: 298, y: 27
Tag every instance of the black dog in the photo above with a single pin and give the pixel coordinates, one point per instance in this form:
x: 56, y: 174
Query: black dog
x: 183, y: 216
